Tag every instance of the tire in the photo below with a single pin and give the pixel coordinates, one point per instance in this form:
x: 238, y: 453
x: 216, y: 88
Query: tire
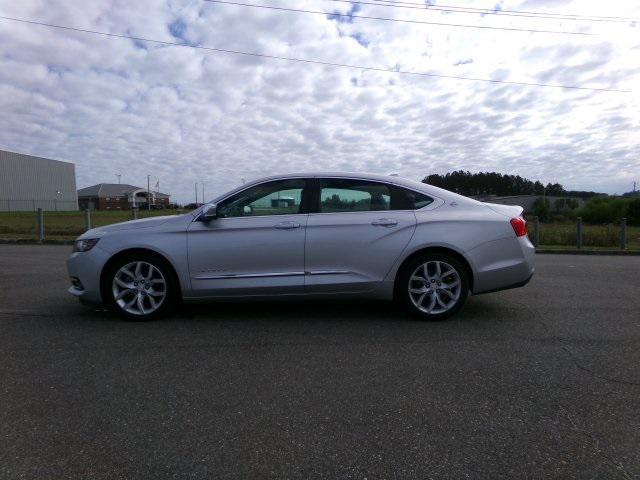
x: 140, y: 287
x: 433, y: 296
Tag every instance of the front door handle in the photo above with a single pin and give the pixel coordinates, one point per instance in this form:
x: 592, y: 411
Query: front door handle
x: 287, y: 225
x: 384, y: 222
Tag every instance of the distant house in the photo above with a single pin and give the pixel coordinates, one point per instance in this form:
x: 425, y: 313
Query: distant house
x: 116, y: 196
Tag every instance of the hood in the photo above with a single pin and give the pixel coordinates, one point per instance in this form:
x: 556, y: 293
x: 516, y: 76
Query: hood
x: 510, y: 211
x: 130, y: 225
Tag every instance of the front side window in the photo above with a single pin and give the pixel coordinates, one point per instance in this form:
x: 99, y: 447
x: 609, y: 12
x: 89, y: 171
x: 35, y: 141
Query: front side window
x: 281, y: 197
x: 338, y: 195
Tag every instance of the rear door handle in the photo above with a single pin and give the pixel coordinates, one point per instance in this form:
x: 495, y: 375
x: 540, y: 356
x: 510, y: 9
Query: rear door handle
x: 384, y: 222
x: 287, y: 225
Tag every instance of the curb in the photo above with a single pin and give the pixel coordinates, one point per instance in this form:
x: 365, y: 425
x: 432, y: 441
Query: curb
x: 545, y: 251
x: 26, y: 241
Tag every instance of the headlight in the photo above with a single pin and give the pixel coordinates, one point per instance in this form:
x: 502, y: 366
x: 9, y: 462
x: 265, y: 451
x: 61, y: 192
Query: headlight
x: 85, y: 245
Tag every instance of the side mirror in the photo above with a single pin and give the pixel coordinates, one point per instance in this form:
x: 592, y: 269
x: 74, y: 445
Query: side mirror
x: 210, y: 211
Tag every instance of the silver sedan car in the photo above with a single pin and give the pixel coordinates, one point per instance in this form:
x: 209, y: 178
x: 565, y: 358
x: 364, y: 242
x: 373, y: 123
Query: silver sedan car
x: 313, y: 236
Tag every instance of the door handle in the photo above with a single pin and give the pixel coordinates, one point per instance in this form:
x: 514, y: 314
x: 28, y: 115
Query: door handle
x: 287, y: 225
x: 384, y: 222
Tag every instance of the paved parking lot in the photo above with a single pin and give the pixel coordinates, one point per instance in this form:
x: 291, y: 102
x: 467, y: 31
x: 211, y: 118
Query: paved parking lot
x: 542, y: 381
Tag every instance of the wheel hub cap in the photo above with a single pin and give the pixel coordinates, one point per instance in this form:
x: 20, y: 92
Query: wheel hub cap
x: 434, y: 287
x: 139, y: 288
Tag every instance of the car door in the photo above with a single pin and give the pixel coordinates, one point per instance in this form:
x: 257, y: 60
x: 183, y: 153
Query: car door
x: 255, y: 245
x: 358, y: 231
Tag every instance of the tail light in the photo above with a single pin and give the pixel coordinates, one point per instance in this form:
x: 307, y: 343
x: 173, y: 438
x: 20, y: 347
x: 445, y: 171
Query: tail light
x: 519, y: 225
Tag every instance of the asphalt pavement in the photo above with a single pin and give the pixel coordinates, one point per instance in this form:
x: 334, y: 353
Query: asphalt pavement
x: 537, y: 382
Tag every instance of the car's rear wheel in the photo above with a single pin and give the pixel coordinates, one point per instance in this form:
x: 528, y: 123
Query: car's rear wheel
x: 433, y: 286
x: 140, y: 287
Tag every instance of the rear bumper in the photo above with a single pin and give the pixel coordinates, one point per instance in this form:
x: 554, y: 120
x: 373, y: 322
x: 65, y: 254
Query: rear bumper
x: 85, y: 268
x: 503, y: 264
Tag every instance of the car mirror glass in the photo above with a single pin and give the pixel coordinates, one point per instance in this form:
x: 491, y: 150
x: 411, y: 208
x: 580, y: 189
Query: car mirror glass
x: 210, y: 211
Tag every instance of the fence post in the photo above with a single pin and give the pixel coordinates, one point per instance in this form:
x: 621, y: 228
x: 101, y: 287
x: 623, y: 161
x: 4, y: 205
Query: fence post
x: 40, y: 225
x: 579, y: 241
x: 536, y: 235
x: 623, y: 234
x: 87, y: 213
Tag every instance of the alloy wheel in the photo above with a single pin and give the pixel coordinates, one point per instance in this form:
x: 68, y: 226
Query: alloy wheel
x: 139, y: 288
x: 435, y: 287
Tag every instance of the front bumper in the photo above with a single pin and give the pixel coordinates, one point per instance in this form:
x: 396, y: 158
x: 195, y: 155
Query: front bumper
x: 85, y: 269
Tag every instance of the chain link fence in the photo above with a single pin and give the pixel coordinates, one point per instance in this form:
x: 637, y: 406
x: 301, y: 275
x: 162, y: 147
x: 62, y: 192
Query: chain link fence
x: 40, y: 224
x: 577, y: 234
x: 10, y: 205
x: 43, y: 224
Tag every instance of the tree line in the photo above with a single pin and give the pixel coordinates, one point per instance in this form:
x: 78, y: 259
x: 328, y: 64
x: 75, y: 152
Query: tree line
x: 493, y: 183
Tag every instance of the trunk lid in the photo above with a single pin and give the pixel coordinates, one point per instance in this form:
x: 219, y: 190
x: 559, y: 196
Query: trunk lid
x: 510, y: 211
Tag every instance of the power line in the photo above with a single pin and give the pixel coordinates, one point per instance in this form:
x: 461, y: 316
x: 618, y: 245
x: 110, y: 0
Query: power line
x: 478, y: 11
x: 490, y: 11
x: 387, y: 19
x: 309, y: 61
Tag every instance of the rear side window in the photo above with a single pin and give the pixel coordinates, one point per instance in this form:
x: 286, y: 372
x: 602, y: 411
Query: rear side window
x: 341, y: 195
x: 346, y: 195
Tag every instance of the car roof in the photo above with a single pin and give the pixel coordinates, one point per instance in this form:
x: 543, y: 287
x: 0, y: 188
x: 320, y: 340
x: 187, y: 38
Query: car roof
x: 353, y: 175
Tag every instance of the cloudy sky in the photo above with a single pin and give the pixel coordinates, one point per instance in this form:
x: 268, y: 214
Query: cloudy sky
x: 187, y: 115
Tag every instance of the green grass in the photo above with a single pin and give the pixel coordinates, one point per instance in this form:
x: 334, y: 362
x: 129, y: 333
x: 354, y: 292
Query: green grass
x: 64, y: 224
x: 593, y: 236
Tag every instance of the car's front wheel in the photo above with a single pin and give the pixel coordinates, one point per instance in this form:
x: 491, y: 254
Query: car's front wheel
x: 433, y: 286
x: 140, y: 287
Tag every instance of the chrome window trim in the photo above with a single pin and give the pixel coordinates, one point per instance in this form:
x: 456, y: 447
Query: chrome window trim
x: 437, y: 201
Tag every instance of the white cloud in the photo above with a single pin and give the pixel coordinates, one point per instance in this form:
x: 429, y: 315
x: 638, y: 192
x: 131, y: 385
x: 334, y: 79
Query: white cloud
x: 185, y: 115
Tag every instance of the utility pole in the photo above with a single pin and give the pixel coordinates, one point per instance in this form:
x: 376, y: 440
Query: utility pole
x: 118, y: 175
x: 203, y: 193
x: 148, y: 193
x: 196, y: 187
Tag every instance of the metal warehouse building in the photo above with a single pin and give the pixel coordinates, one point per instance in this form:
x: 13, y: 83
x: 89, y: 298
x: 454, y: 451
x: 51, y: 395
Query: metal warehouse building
x: 28, y: 183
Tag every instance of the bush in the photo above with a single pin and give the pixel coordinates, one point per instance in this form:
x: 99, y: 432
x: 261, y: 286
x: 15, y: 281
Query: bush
x: 541, y: 209
x: 633, y: 212
x: 602, y: 210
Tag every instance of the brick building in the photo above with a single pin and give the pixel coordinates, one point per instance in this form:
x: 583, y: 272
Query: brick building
x: 116, y: 196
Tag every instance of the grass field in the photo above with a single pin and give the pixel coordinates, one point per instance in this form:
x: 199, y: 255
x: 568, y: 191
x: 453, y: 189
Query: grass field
x: 64, y: 225
x: 68, y: 225
x: 593, y: 236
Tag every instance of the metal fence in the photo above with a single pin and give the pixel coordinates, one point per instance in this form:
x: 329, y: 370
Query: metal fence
x: 54, y: 205
x: 65, y: 225
x: 577, y: 234
x: 51, y: 224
